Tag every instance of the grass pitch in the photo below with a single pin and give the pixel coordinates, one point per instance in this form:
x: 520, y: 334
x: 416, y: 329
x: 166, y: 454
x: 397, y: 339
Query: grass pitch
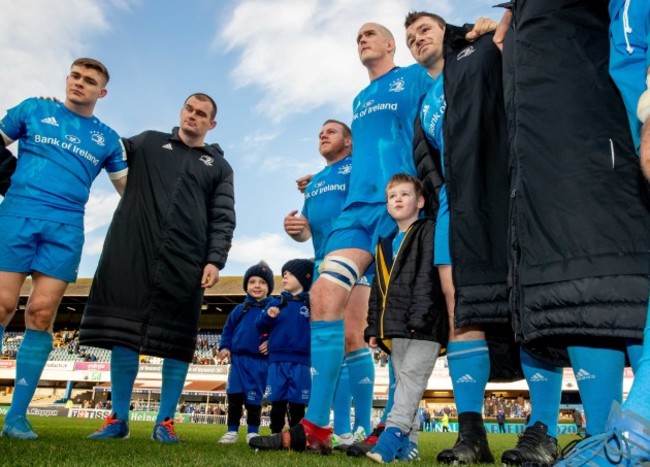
x: 62, y: 442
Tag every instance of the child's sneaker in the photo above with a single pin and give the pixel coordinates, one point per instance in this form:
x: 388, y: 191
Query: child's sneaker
x: 343, y: 442
x: 164, y: 432
x: 250, y: 436
x: 20, y: 428
x: 388, y: 446
x: 409, y: 451
x: 113, y: 428
x: 230, y: 437
x: 360, y: 448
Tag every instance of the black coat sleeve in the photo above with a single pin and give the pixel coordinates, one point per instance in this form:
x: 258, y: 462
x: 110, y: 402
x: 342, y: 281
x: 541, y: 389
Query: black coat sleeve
x: 428, y: 167
x: 221, y: 218
x: 374, y: 309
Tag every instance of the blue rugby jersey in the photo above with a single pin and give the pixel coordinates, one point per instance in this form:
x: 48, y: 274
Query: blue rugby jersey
x: 324, y: 199
x: 60, y: 153
x: 382, y: 131
x: 630, y: 54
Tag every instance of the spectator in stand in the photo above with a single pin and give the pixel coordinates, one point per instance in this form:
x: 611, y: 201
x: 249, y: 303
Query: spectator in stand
x: 241, y: 342
x: 501, y: 420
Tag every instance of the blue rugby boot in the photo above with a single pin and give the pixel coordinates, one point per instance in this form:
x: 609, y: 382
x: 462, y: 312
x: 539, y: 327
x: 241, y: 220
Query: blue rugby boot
x: 113, y: 428
x: 625, y: 442
x: 20, y: 428
x: 164, y: 432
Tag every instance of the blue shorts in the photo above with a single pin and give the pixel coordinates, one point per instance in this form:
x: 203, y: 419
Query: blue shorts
x: 359, y: 226
x: 441, y: 253
x: 51, y: 248
x: 247, y: 376
x: 365, y: 280
x: 288, y: 381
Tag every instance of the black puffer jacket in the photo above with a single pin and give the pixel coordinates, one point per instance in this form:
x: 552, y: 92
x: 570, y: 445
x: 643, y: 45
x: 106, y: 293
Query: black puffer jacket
x: 176, y: 215
x: 579, y: 233
x: 406, y: 299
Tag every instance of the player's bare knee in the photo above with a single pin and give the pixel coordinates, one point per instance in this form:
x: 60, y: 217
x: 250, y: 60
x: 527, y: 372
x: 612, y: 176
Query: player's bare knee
x: 39, y: 318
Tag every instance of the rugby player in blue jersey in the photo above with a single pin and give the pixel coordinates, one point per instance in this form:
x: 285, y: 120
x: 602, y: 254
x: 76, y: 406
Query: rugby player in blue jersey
x: 324, y: 199
x: 382, y: 128
x: 63, y: 147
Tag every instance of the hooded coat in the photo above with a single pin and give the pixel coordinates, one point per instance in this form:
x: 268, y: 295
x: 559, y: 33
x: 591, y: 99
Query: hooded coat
x: 176, y: 215
x: 476, y: 178
x: 579, y: 235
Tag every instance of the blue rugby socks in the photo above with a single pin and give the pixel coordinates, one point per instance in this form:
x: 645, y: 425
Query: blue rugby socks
x: 362, y: 382
x: 30, y: 361
x: 173, y: 381
x: 469, y: 368
x: 327, y: 349
x: 638, y: 400
x: 342, y: 402
x: 124, y: 369
x: 545, y: 387
x: 599, y: 373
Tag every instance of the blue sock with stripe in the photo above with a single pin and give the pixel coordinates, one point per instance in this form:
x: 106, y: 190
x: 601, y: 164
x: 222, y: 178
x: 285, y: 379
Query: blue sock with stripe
x: 174, y: 373
x: 469, y: 368
x: 634, y: 349
x: 599, y: 373
x: 391, y: 392
x: 342, y: 402
x: 31, y: 358
x: 545, y: 387
x: 361, y: 367
x: 638, y: 400
x: 124, y: 369
x: 327, y: 349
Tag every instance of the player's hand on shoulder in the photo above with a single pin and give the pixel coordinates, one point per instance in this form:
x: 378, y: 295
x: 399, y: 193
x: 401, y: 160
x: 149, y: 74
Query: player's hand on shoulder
x: 482, y: 26
x: 303, y: 181
x: 273, y: 311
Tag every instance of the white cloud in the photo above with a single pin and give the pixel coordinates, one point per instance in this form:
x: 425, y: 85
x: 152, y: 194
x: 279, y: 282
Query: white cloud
x: 302, y: 54
x: 275, y: 249
x: 40, y: 39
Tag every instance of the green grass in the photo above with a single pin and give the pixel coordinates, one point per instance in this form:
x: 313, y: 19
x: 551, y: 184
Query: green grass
x: 62, y: 443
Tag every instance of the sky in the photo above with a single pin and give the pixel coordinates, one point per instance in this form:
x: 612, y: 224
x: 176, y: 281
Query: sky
x: 276, y: 68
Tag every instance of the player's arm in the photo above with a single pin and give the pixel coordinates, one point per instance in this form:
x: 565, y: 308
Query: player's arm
x: 502, y: 28
x: 5, y: 140
x: 297, y: 226
x: 120, y: 185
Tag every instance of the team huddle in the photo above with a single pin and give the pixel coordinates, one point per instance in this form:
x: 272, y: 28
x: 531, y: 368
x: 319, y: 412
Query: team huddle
x: 487, y: 203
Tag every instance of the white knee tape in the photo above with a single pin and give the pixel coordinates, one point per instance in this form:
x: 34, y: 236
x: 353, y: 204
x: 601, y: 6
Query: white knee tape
x: 340, y: 270
x: 643, y: 107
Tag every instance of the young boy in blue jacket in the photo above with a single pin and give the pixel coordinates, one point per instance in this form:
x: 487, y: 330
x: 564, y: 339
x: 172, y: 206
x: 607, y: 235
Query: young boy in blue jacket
x: 286, y: 322
x: 240, y: 342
